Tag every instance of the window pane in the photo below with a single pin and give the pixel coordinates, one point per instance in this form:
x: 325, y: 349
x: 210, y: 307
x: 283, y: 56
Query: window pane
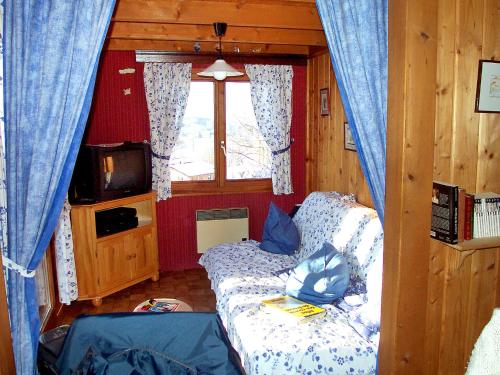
x: 43, y: 293
x: 193, y: 155
x: 248, y: 155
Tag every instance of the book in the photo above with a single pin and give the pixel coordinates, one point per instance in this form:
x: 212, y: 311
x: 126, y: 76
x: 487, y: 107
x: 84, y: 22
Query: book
x: 469, y: 216
x: 486, y: 215
x: 292, y: 309
x: 461, y: 215
x: 444, y: 223
x: 158, y: 306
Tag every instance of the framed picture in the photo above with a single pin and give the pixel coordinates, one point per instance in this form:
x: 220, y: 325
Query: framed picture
x: 348, y: 139
x: 488, y: 86
x: 324, y: 102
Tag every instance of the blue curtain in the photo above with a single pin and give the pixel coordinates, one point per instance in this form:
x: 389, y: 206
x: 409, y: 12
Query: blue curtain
x: 51, y: 52
x: 356, y: 32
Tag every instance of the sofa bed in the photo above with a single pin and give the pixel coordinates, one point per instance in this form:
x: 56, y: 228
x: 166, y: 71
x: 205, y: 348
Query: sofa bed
x: 345, y: 340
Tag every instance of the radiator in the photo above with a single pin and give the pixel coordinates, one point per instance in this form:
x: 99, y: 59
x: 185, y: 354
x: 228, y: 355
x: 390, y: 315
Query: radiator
x: 218, y: 226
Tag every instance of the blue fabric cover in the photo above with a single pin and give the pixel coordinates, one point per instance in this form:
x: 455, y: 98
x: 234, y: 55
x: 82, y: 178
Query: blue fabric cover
x: 280, y: 235
x: 321, y: 278
x: 148, y: 343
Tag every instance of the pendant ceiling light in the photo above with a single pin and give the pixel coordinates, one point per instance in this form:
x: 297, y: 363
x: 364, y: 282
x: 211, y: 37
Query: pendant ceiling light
x: 220, y: 69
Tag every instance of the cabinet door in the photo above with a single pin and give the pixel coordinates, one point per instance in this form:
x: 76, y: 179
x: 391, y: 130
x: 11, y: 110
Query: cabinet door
x: 112, y: 263
x: 140, y: 252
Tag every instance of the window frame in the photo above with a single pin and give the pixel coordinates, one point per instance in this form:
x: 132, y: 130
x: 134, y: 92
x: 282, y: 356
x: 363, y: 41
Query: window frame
x: 220, y: 185
x: 46, y: 268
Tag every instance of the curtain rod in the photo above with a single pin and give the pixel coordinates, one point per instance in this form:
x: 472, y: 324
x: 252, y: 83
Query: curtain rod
x: 176, y: 57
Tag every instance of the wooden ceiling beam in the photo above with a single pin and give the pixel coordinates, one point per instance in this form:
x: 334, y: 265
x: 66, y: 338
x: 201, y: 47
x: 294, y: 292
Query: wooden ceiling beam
x: 241, y: 59
x: 205, y: 33
x: 206, y: 47
x: 274, y: 14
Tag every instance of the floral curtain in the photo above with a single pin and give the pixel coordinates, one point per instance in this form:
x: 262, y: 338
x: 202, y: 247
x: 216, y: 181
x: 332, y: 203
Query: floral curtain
x: 271, y: 90
x: 65, y: 259
x: 167, y: 91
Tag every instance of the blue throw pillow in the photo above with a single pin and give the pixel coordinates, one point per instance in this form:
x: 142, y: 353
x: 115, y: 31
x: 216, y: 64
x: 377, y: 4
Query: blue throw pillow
x: 280, y: 235
x: 321, y: 278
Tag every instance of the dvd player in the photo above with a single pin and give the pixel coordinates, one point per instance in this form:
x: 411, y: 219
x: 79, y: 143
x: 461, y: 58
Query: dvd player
x: 115, y: 220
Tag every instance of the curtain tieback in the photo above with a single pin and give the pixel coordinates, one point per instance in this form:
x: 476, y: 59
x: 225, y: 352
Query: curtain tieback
x: 162, y: 157
x: 283, y: 149
x: 11, y: 265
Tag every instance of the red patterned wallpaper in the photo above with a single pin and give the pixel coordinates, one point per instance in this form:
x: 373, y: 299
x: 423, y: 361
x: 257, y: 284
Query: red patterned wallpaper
x: 116, y: 117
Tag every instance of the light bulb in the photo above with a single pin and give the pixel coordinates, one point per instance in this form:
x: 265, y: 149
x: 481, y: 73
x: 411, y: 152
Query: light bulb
x: 219, y: 76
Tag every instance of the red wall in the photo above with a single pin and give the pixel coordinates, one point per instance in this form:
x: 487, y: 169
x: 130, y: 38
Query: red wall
x: 116, y: 117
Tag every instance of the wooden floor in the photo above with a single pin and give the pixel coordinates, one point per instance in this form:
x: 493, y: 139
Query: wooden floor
x: 190, y: 286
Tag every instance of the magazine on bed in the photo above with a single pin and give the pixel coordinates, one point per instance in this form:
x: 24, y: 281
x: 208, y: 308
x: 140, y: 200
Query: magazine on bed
x: 159, y: 306
x: 292, y: 309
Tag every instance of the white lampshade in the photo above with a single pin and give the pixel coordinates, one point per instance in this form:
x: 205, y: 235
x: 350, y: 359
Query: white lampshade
x: 220, y: 70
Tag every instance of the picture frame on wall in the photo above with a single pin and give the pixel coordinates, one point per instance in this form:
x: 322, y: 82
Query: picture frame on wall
x: 324, y: 102
x: 488, y: 87
x: 348, y: 139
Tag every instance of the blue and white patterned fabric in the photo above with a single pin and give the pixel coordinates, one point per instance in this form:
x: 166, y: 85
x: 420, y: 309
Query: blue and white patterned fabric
x: 271, y: 91
x: 65, y: 258
x: 242, y: 276
x: 167, y: 91
x: 3, y: 185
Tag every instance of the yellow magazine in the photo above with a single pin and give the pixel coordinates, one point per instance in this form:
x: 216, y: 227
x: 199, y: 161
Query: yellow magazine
x: 293, y: 308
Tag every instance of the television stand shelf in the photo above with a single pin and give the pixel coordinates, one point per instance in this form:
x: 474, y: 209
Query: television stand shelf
x: 109, y: 263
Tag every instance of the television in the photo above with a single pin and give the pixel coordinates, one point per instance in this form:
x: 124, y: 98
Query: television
x: 110, y: 171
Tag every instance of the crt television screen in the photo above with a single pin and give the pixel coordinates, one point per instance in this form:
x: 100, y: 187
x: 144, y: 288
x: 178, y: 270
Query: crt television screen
x: 124, y: 170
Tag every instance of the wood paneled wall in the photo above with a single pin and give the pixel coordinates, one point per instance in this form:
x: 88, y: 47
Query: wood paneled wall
x: 329, y: 166
x: 436, y: 299
x: 463, y: 286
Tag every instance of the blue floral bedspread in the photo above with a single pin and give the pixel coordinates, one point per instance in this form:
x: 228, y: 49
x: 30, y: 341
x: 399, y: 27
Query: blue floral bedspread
x: 242, y: 276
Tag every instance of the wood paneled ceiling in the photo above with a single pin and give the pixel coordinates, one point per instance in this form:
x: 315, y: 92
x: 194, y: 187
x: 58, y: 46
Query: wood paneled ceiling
x: 256, y: 27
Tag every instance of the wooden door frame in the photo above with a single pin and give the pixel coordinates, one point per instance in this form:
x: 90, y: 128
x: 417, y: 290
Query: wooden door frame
x: 409, y: 171
x: 6, y: 355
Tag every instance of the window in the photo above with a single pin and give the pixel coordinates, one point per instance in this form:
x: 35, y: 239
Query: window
x: 44, y: 287
x: 220, y: 148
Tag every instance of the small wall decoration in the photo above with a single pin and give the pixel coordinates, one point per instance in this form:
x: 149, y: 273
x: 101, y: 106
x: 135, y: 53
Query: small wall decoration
x: 126, y: 71
x: 324, y: 102
x: 488, y: 86
x: 348, y: 139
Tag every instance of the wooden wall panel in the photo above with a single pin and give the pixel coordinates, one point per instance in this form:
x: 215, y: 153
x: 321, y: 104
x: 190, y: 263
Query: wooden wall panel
x: 488, y: 166
x: 329, y: 165
x: 410, y: 128
x: 463, y: 287
x: 436, y: 299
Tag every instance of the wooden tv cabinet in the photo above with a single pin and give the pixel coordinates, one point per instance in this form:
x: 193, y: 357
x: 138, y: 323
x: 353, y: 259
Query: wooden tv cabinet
x: 107, y: 264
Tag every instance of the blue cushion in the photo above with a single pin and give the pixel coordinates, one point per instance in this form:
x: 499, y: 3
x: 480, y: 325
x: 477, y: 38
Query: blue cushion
x: 280, y: 235
x: 321, y: 278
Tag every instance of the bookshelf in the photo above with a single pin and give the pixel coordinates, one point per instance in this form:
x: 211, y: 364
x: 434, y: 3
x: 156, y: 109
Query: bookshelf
x: 476, y: 244
x: 455, y: 214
